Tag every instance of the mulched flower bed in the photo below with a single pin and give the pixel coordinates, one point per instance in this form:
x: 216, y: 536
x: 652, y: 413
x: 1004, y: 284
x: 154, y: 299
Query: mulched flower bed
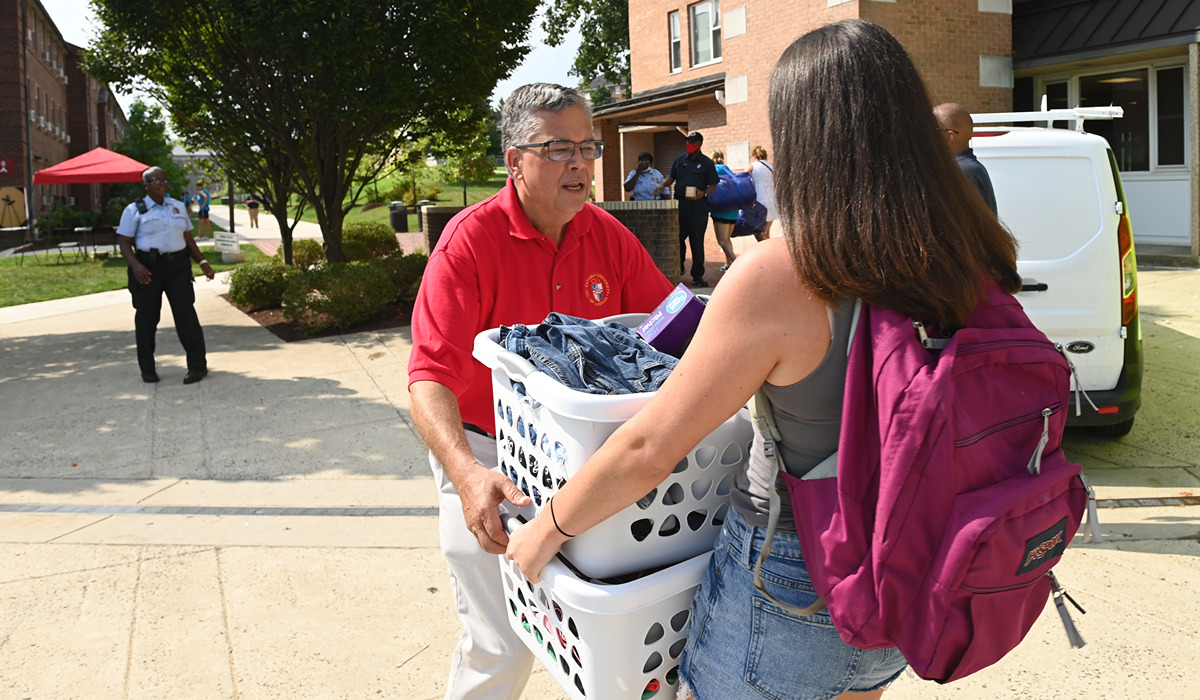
x: 397, y: 314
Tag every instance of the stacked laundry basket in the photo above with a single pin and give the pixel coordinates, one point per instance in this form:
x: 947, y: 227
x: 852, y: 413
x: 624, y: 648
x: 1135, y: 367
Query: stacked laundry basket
x: 609, y: 618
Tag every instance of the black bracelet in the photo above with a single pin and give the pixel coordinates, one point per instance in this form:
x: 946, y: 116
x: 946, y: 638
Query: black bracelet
x: 555, y: 519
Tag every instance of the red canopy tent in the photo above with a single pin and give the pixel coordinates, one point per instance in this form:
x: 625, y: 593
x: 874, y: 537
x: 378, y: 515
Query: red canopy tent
x: 97, y: 165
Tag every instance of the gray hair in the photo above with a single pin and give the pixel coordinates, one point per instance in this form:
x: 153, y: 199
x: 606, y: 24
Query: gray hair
x: 148, y: 173
x: 518, y: 119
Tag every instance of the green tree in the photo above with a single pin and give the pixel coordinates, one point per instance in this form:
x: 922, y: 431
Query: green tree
x: 468, y: 154
x: 321, y: 87
x: 604, y: 51
x: 146, y: 141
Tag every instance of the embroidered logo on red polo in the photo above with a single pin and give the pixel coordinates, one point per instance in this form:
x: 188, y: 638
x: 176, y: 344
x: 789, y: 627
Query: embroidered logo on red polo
x: 597, y: 288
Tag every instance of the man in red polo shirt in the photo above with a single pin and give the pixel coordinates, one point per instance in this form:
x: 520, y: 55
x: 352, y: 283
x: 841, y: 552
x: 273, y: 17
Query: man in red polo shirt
x: 535, y: 247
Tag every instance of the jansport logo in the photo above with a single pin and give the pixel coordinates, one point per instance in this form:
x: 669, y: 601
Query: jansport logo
x: 1044, y: 547
x: 597, y: 288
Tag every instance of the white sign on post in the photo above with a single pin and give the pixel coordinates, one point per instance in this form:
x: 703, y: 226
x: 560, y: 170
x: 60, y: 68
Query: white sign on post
x: 226, y: 242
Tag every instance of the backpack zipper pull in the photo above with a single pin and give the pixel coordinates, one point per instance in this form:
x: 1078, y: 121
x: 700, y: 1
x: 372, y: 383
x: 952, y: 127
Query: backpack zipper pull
x: 1078, y: 385
x: 1072, y: 633
x: 1035, y: 462
x: 1091, y: 523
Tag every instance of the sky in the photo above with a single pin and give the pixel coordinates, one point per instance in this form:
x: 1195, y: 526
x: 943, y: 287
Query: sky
x: 543, y: 63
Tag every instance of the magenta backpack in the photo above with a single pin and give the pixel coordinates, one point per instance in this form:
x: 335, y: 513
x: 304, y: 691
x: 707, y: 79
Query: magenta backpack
x: 934, y: 527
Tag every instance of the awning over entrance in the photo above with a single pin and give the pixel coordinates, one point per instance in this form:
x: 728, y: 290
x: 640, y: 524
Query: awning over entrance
x: 1055, y: 31
x: 661, y: 107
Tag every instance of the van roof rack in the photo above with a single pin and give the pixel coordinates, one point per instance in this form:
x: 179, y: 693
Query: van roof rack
x: 1076, y: 114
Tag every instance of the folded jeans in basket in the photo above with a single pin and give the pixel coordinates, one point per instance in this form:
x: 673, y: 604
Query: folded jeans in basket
x: 589, y: 357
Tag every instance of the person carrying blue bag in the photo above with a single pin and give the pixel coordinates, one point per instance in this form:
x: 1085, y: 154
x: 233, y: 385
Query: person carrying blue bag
x: 723, y: 219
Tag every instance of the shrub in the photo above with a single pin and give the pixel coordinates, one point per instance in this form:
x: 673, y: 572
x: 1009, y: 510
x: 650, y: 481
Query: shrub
x: 337, y: 295
x: 64, y: 216
x: 259, y: 285
x: 305, y: 253
x: 405, y: 192
x: 378, y: 237
x: 405, y: 271
x: 356, y: 251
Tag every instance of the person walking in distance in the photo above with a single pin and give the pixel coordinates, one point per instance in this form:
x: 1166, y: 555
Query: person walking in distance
x: 155, y: 235
x: 694, y: 176
x: 764, y: 187
x: 203, y: 203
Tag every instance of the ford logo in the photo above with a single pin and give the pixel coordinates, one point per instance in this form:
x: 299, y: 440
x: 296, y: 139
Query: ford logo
x: 1080, y: 347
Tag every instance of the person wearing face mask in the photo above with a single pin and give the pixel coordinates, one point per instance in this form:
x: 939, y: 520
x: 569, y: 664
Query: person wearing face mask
x: 535, y: 247
x: 694, y: 176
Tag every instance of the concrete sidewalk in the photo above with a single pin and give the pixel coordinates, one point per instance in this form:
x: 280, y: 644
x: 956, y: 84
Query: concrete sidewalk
x: 271, y: 531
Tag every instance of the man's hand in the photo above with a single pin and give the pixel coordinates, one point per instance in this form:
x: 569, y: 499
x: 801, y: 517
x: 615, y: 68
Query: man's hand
x: 141, y: 274
x: 481, y: 494
x: 207, y: 270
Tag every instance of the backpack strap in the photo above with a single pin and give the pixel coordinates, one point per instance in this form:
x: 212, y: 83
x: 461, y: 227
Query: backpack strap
x: 764, y: 419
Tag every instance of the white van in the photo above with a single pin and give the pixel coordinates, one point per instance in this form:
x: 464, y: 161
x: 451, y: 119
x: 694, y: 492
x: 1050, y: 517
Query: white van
x: 1059, y: 193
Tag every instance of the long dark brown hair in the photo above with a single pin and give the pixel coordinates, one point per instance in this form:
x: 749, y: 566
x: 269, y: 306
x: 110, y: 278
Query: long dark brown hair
x: 871, y: 200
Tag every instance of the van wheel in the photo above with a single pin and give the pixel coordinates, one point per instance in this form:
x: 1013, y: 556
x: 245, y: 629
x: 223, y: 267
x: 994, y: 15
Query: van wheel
x: 1115, y: 430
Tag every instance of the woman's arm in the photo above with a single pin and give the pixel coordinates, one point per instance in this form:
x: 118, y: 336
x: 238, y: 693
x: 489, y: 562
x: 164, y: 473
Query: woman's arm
x: 741, y: 342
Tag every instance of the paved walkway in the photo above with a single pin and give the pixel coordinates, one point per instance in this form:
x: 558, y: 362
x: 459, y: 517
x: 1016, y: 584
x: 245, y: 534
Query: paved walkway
x: 270, y: 532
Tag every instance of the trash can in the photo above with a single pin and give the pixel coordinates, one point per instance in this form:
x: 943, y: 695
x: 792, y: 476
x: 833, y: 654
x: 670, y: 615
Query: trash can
x: 399, y: 216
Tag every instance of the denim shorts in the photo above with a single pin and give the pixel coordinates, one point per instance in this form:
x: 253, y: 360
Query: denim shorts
x: 743, y: 646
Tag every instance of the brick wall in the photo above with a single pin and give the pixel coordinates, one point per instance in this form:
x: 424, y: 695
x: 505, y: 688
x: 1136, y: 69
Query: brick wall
x: 944, y: 37
x: 656, y: 225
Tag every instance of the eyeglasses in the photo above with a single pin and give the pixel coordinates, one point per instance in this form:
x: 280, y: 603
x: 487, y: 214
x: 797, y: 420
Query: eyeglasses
x: 158, y: 181
x: 561, y: 150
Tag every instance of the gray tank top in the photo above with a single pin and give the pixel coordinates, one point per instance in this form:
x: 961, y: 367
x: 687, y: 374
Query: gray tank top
x: 809, y: 416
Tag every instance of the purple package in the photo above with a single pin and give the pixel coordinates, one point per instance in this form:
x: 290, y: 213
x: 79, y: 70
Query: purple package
x: 669, y: 328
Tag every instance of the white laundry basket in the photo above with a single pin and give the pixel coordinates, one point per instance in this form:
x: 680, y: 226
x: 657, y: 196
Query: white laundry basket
x: 606, y: 642
x: 545, y: 431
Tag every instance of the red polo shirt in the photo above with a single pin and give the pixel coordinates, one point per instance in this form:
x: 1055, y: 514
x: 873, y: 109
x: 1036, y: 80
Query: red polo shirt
x: 491, y: 268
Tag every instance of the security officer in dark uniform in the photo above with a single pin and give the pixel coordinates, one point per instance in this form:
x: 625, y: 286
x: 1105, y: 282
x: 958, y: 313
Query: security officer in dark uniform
x: 696, y: 170
x: 156, y: 240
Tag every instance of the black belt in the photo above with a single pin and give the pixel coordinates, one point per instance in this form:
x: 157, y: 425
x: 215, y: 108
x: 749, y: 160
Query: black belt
x: 154, y: 255
x: 472, y: 428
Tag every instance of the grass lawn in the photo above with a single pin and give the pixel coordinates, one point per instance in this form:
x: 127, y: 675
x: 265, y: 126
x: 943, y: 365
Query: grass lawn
x: 42, y: 276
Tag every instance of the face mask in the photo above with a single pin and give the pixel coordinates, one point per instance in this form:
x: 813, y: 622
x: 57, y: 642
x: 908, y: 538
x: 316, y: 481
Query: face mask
x: 693, y: 148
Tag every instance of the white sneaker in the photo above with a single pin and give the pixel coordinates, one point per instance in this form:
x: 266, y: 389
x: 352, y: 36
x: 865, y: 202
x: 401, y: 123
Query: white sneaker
x: 725, y: 267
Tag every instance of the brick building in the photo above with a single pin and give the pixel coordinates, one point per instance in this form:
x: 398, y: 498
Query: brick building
x: 50, y: 110
x: 705, y: 66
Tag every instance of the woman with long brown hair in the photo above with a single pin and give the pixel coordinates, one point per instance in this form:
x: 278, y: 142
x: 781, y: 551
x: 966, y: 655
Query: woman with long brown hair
x: 872, y: 207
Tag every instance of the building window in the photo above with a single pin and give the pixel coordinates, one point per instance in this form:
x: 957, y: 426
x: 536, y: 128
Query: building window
x: 1129, y: 136
x: 1152, y: 134
x: 705, y: 20
x: 1170, y: 116
x: 676, y: 49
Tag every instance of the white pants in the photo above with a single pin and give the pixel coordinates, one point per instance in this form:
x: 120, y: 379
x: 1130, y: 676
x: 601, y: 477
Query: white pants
x: 490, y: 662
